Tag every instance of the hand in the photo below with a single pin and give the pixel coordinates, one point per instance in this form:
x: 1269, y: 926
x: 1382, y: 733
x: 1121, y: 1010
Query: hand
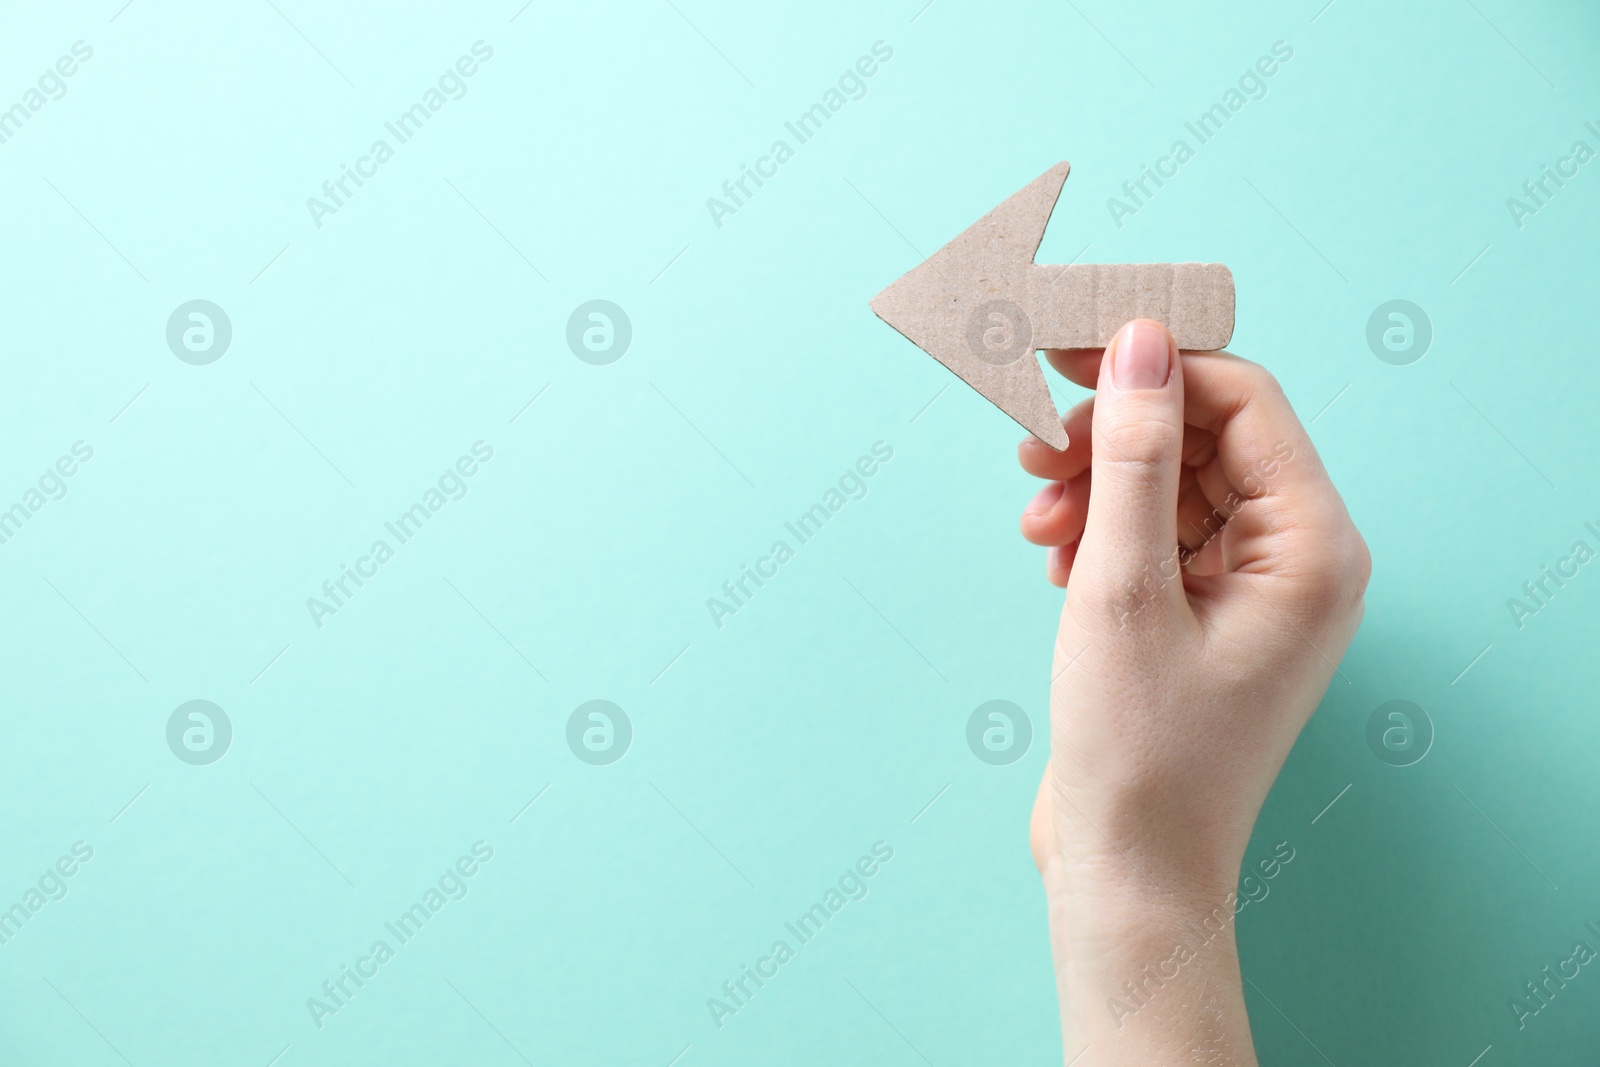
x: 1214, y: 579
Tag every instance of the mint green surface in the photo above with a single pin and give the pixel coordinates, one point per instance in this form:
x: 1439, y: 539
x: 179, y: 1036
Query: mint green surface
x: 829, y: 713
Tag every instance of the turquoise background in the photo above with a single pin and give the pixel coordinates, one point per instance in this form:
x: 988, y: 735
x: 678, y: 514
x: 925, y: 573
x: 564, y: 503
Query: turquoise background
x: 830, y: 712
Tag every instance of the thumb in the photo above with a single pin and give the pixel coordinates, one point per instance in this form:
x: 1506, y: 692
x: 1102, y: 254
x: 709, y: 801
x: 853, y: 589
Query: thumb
x: 1130, y: 537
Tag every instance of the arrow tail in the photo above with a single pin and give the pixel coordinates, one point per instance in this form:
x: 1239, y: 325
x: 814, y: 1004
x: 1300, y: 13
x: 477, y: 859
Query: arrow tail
x: 1082, y: 305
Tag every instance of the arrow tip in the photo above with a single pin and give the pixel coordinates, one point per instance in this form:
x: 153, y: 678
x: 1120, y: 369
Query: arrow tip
x: 963, y: 305
x: 1047, y: 428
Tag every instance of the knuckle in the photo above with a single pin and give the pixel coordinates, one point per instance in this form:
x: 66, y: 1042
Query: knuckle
x: 1361, y: 562
x: 1121, y: 600
x: 1338, y: 570
x: 1260, y: 380
x: 1140, y: 440
x: 1113, y: 603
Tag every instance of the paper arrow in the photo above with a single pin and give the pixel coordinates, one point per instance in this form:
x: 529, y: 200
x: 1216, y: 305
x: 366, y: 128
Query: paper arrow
x: 982, y: 307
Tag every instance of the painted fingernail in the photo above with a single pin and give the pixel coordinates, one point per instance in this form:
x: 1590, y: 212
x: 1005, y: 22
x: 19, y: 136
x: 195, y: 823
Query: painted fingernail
x: 1046, y: 498
x: 1143, y: 357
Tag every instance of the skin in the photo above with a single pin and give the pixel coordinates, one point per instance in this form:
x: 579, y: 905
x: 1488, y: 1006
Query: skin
x: 1213, y: 579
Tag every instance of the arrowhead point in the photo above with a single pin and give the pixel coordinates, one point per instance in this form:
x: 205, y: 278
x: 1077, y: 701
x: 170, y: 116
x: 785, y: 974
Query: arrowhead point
x: 965, y: 305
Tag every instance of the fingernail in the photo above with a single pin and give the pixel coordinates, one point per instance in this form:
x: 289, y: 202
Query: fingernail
x: 1046, y: 498
x: 1143, y: 356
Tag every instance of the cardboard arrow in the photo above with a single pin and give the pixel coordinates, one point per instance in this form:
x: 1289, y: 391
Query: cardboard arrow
x: 982, y: 307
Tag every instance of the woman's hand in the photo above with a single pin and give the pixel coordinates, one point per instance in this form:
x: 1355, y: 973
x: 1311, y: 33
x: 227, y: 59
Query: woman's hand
x: 1214, y: 579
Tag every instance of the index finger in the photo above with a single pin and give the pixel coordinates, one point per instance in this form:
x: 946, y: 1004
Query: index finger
x: 1284, y: 515
x: 1279, y: 487
x: 1237, y: 400
x: 1245, y: 407
x: 1080, y: 366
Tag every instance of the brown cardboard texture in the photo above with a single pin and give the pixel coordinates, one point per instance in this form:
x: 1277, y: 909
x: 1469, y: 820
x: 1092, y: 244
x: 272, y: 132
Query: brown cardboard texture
x: 982, y: 307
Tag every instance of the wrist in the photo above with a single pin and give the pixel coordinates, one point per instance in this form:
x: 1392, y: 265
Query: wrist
x: 1114, y: 862
x: 1151, y: 979
x: 1147, y: 959
x: 1119, y: 926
